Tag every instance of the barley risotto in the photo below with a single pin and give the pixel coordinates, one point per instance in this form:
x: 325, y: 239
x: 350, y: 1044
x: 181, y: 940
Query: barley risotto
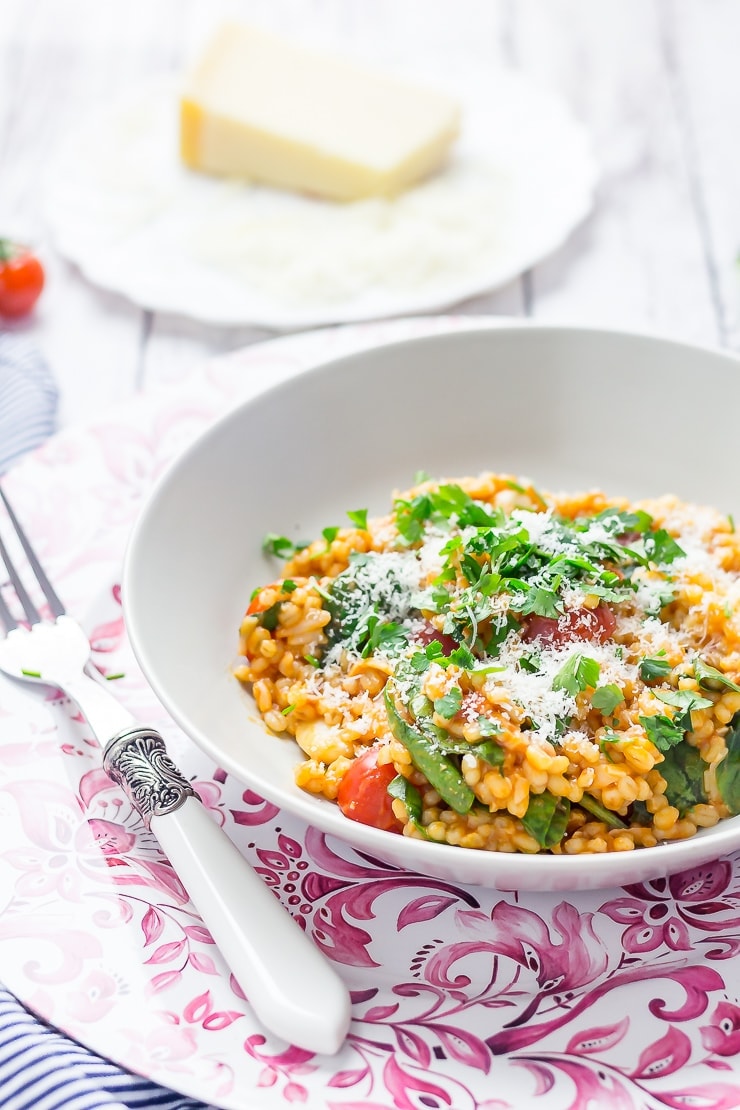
x: 506, y: 669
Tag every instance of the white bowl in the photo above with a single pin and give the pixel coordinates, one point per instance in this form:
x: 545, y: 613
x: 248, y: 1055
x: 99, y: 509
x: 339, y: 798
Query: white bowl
x: 570, y: 408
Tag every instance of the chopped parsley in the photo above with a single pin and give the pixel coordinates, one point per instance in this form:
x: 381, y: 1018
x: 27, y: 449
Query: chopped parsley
x: 607, y: 698
x: 654, y: 670
x: 281, y: 546
x: 358, y: 518
x: 712, y: 679
x: 662, y: 731
x: 488, y: 727
x: 661, y: 548
x: 449, y: 705
x: 578, y: 673
x: 477, y: 590
x: 684, y: 700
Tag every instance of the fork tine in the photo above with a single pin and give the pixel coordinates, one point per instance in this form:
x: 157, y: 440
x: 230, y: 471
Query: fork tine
x: 7, y: 619
x: 29, y: 608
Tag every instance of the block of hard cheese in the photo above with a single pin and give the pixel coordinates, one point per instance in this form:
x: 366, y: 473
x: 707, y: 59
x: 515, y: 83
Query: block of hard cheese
x: 261, y: 108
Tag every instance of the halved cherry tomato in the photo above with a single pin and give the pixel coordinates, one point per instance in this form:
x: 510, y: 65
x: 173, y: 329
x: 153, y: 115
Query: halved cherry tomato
x: 363, y: 793
x: 577, y: 624
x: 21, y: 279
x: 428, y: 634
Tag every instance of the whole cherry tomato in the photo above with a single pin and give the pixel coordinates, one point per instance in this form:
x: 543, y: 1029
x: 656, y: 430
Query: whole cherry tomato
x: 21, y: 279
x: 577, y: 624
x: 363, y: 793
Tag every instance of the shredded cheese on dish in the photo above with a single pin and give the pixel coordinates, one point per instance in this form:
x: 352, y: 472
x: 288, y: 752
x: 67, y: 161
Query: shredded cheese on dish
x: 525, y: 671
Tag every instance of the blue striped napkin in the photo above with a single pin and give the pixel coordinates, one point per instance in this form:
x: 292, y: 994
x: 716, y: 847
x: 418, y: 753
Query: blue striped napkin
x: 40, y: 1068
x: 28, y: 398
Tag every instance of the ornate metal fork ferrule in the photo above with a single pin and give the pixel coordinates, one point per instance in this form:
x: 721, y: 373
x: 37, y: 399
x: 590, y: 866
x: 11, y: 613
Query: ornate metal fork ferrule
x: 137, y: 760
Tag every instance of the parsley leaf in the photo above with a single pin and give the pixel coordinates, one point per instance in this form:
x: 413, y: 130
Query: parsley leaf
x: 660, y: 547
x: 662, y: 731
x: 686, y: 701
x: 620, y: 523
x: 410, y: 517
x: 653, y: 669
x: 329, y: 534
x: 541, y: 602
x: 449, y: 705
x: 487, y: 726
x: 531, y: 663
x: 712, y: 679
x: 387, y: 637
x: 577, y: 674
x: 607, y: 698
x: 358, y: 518
x: 281, y: 546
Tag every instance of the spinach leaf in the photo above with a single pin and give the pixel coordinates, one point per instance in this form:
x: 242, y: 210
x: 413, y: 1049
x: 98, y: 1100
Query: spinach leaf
x: 359, y: 600
x: 269, y: 617
x: 728, y: 771
x: 683, y: 769
x: 546, y: 818
x: 400, y: 787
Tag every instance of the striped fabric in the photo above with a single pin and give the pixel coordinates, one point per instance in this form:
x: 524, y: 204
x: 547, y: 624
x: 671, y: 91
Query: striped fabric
x: 28, y: 398
x: 40, y: 1069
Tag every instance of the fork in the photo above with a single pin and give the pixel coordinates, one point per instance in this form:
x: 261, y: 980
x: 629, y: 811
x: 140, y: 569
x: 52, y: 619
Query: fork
x: 292, y: 988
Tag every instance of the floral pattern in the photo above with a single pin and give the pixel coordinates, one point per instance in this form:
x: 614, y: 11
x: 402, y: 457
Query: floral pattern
x: 463, y: 997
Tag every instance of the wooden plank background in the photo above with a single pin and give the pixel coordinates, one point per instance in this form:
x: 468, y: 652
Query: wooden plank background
x: 657, y: 84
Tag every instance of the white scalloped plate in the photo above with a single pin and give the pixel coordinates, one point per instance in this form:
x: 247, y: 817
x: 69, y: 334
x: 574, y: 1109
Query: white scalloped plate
x: 121, y: 206
x: 464, y: 998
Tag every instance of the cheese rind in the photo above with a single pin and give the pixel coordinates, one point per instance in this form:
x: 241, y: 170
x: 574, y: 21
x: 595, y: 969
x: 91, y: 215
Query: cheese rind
x: 257, y: 107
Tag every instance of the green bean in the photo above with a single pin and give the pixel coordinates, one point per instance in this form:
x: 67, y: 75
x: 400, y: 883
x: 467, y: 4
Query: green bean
x: 439, y: 770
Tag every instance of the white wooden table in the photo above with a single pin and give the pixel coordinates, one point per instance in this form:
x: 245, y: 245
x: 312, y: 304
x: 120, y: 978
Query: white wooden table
x: 656, y: 84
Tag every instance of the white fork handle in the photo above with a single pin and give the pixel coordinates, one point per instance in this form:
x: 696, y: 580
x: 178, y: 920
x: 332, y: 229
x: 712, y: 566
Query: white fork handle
x: 294, y: 991
x: 291, y: 986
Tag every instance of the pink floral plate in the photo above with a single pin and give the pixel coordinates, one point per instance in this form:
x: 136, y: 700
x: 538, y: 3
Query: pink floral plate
x: 463, y: 997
